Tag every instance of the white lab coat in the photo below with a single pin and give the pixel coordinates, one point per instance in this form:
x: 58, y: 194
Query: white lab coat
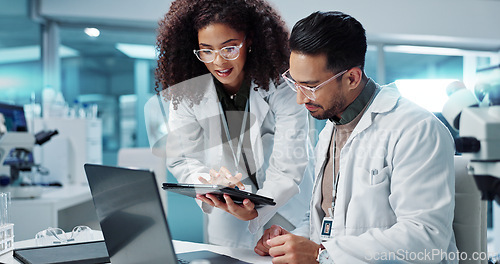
x: 280, y: 147
x: 396, y: 186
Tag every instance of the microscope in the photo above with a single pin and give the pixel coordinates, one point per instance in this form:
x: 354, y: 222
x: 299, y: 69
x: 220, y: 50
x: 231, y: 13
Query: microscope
x: 16, y: 152
x: 476, y: 115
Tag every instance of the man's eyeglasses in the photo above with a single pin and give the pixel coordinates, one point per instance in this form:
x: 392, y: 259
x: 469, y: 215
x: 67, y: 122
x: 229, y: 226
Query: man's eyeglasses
x: 228, y: 53
x: 308, y: 91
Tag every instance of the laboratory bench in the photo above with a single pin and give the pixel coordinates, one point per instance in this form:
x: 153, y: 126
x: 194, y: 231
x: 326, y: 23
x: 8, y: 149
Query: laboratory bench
x: 63, y: 207
x: 247, y: 255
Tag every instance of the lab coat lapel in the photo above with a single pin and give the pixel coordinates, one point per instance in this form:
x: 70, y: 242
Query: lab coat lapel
x: 210, y: 103
x: 380, y: 104
x: 321, y: 151
x: 258, y: 112
x: 209, y: 114
x: 259, y: 109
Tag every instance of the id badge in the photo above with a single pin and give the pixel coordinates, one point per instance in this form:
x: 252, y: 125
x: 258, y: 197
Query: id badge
x: 326, y: 229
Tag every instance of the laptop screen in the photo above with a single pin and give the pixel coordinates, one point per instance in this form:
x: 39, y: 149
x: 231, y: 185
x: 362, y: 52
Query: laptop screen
x: 131, y: 215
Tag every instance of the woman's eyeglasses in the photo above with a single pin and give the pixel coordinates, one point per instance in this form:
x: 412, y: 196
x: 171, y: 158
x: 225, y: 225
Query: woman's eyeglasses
x: 228, y: 53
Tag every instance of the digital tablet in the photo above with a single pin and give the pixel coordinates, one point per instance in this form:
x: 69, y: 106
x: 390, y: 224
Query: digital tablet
x: 237, y: 195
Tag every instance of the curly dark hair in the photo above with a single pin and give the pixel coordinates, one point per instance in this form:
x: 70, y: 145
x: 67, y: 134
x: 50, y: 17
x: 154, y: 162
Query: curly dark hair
x: 178, y: 37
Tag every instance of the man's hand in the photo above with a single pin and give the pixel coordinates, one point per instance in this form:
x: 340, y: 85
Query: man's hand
x: 245, y: 211
x: 223, y: 177
x: 293, y: 249
x: 262, y: 248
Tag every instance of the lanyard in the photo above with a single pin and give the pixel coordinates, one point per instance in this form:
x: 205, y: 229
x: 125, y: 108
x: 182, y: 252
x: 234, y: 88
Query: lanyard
x: 335, y: 177
x: 335, y: 184
x: 237, y: 154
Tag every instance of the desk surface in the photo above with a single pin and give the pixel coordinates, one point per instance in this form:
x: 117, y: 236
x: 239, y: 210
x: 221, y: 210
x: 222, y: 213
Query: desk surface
x: 247, y: 255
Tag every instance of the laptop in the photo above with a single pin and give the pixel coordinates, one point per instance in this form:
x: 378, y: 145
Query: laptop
x: 133, y: 222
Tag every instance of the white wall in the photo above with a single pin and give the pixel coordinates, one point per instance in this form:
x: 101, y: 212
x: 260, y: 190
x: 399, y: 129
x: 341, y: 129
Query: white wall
x: 458, y: 23
x: 462, y: 23
x: 141, y: 13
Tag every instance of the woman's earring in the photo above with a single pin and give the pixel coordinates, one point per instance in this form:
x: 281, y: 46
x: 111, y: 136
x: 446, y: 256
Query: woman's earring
x: 250, y: 49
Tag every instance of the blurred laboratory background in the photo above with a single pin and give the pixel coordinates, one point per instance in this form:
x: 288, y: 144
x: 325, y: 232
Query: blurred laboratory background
x: 101, y: 53
x: 86, y: 68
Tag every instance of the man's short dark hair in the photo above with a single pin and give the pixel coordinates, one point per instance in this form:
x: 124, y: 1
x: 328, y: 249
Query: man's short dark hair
x: 341, y: 37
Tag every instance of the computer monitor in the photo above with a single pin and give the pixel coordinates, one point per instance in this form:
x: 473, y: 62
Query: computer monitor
x: 15, y: 121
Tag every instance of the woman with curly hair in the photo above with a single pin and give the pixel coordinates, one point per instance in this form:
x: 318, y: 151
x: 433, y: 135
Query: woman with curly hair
x: 231, y: 114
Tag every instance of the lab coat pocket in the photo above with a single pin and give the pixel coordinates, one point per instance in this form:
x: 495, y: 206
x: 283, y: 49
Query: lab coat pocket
x: 379, y: 176
x: 369, y: 204
x: 371, y: 177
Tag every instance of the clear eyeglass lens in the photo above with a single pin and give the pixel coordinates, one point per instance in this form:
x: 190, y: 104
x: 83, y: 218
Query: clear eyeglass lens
x: 307, y: 93
x: 294, y: 86
x: 81, y: 233
x: 206, y: 55
x: 230, y: 53
x: 291, y: 84
x: 50, y: 236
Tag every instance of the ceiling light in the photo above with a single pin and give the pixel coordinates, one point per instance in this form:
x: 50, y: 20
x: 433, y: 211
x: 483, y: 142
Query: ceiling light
x: 137, y: 51
x: 92, y: 32
x: 31, y: 53
x: 435, y: 51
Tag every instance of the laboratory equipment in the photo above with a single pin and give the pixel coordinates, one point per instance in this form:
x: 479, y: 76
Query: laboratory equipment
x: 79, y: 138
x: 6, y: 226
x: 477, y: 118
x: 16, y: 152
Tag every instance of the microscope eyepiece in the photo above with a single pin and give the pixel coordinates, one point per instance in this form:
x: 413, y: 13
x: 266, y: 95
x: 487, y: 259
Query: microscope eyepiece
x: 44, y: 136
x: 467, y: 145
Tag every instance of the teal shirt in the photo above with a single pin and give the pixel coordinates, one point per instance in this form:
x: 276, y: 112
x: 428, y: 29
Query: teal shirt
x: 353, y: 110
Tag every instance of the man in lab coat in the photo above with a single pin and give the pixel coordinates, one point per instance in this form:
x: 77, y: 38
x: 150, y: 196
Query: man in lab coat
x: 384, y: 169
